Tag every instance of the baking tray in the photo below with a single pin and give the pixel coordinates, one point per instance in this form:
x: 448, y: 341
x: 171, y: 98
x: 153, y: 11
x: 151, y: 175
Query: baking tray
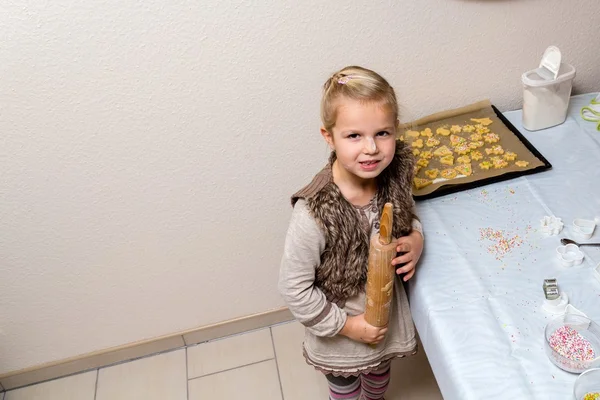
x: 449, y: 188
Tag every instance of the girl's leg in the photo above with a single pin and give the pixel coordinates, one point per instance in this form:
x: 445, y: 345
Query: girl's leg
x: 375, y: 383
x: 341, y: 388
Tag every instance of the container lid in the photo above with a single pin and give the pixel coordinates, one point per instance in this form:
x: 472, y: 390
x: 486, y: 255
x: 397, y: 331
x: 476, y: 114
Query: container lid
x: 537, y: 77
x: 550, y: 64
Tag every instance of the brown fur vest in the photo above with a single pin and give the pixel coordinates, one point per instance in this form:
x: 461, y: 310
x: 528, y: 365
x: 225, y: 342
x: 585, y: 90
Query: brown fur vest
x: 343, y: 269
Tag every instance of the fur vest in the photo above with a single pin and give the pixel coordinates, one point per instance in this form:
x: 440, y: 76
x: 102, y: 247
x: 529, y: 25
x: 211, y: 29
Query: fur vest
x: 344, y: 262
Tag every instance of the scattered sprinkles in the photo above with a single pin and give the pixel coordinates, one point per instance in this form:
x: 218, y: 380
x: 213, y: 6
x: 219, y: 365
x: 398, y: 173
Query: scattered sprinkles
x: 503, y: 242
x: 570, y: 344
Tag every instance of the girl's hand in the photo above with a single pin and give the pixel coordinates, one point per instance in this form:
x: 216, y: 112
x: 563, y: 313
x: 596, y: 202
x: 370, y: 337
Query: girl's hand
x: 359, y: 330
x: 412, y: 246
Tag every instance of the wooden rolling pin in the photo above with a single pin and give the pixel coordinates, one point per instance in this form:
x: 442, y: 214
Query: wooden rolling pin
x: 381, y: 274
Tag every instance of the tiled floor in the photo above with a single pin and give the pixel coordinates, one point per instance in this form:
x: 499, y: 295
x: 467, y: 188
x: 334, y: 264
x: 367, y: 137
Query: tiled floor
x: 266, y: 364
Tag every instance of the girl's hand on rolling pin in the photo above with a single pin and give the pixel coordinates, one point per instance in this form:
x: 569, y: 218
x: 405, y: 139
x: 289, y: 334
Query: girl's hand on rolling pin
x: 412, y: 247
x: 359, y: 330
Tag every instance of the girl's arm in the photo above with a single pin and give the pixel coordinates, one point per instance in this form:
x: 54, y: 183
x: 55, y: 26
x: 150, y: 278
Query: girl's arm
x: 302, y: 254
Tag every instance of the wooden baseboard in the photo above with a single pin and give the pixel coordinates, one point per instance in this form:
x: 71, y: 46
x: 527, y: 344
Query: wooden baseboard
x: 115, y: 355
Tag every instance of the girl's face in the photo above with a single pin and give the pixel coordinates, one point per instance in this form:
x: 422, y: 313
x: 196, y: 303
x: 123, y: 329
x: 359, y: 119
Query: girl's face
x: 364, y: 138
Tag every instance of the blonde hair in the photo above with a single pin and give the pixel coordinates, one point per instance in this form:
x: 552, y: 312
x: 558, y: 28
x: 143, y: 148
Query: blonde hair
x: 355, y: 83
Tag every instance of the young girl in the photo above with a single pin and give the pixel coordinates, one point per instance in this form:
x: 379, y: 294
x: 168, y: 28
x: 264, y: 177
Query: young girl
x: 324, y: 266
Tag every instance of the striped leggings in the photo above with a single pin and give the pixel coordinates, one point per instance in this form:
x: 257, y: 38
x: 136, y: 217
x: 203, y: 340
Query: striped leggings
x: 371, y: 386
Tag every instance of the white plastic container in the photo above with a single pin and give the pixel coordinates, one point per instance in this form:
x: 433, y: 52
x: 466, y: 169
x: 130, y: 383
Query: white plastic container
x: 547, y: 91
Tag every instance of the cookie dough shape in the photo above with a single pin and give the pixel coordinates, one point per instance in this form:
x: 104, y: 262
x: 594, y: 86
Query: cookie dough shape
x: 499, y: 162
x: 456, y: 129
x: 426, y: 154
x: 426, y: 132
x: 464, y: 169
x: 449, y: 173
x: 456, y: 140
x: 423, y: 162
x: 417, y: 143
x: 432, y: 173
x: 442, y: 131
x: 420, y: 183
x: 412, y: 134
x: 485, y: 165
x: 491, y: 138
x: 447, y: 160
x: 431, y: 142
x: 482, y: 121
x: 463, y: 160
x: 442, y: 151
x: 462, y: 149
x: 510, y: 156
x: 522, y: 164
x: 476, y: 144
x: 476, y: 155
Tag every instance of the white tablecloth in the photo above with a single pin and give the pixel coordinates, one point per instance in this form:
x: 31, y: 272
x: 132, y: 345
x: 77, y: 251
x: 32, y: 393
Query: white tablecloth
x: 477, y: 307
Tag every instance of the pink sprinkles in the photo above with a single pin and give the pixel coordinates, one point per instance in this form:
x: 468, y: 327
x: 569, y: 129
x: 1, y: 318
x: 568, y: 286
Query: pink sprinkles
x: 567, y: 342
x: 503, y: 243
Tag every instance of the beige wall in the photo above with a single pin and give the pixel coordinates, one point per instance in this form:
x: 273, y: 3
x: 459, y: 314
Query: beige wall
x: 148, y: 149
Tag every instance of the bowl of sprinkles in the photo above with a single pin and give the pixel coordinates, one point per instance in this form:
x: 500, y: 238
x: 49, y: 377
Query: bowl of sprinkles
x: 573, y: 343
x: 587, y: 385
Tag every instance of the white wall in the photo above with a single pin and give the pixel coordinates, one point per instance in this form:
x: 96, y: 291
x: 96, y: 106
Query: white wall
x: 148, y: 149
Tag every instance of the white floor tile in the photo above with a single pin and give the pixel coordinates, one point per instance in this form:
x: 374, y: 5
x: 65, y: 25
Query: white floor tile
x: 228, y: 353
x: 154, y: 378
x: 299, y: 380
x: 76, y: 387
x: 253, y: 382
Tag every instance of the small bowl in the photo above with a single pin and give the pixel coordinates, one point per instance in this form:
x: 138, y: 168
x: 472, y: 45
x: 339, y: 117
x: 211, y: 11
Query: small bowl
x: 587, y: 382
x: 584, y: 228
x: 586, y: 328
x: 569, y: 255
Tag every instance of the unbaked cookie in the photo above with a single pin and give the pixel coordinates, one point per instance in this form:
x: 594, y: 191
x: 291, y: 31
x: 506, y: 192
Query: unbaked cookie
x: 481, y: 129
x: 442, y: 131
x: 491, y: 138
x: 442, y: 151
x: 462, y: 149
x: 412, y: 134
x: 464, y: 169
x: 456, y: 140
x: 416, y: 152
x: 476, y: 144
x: 475, y: 137
x: 417, y: 143
x: 485, y: 165
x: 448, y: 160
x: 426, y: 154
x: 497, y: 150
x: 449, y: 173
x: 468, y: 128
x: 476, y: 155
x: 522, y: 164
x: 455, y: 129
x: 431, y: 142
x: 423, y: 162
x: 420, y: 183
x: 463, y: 160
x: 510, y: 156
x: 482, y: 121
x: 498, y: 162
x: 426, y: 132
x: 432, y: 173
